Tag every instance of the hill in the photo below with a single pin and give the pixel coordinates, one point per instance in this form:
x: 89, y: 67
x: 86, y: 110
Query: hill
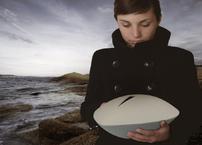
x: 73, y: 77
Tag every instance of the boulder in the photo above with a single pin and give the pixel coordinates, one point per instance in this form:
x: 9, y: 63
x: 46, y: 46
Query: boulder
x: 58, y: 130
x: 88, y: 138
x: 64, y: 127
x: 71, y: 117
x: 11, y: 109
x: 31, y: 136
x: 68, y: 129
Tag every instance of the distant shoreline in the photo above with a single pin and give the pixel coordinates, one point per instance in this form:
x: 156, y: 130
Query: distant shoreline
x: 13, y: 75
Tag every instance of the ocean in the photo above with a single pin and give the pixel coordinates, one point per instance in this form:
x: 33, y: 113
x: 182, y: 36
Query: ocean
x: 48, y: 100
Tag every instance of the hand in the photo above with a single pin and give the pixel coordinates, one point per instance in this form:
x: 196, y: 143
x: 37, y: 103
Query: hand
x: 151, y: 136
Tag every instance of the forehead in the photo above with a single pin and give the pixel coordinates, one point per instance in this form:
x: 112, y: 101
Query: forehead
x: 137, y: 17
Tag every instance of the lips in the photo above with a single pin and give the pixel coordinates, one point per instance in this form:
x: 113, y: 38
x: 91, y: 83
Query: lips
x: 134, y: 42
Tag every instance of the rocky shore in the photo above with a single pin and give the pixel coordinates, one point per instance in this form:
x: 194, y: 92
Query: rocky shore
x: 11, y: 109
x: 68, y: 129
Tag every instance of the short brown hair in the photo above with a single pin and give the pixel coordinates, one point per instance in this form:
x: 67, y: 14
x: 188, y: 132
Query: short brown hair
x: 137, y: 6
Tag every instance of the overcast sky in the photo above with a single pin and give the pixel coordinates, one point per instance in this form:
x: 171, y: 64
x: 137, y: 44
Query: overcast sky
x: 54, y: 37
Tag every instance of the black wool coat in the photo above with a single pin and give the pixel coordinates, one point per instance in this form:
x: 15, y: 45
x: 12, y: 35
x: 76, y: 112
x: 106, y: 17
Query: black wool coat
x: 150, y: 67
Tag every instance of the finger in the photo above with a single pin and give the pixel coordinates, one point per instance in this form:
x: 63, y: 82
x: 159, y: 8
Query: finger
x: 163, y: 124
x: 145, y: 132
x: 141, y: 138
x: 138, y: 137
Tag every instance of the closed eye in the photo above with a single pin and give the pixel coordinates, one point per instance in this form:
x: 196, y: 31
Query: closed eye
x: 145, y: 25
x: 126, y: 25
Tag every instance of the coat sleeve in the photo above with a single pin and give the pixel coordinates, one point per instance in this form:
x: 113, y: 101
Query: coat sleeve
x: 94, y: 91
x: 188, y: 97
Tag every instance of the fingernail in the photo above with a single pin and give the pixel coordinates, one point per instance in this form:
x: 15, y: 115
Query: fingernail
x: 163, y: 123
x: 138, y: 130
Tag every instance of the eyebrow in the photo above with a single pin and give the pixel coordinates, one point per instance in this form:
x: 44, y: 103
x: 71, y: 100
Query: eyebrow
x: 139, y: 22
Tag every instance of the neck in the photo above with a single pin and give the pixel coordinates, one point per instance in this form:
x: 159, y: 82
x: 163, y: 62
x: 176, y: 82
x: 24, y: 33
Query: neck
x: 131, y: 46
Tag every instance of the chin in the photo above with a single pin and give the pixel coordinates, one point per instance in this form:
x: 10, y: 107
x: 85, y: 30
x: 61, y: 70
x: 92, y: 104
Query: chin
x: 133, y: 44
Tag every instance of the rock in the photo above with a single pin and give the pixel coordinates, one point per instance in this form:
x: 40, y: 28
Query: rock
x: 74, y: 77
x: 62, y: 128
x: 10, y: 109
x: 79, y: 90
x: 58, y: 130
x: 88, y: 138
x: 31, y: 136
x: 67, y: 129
x: 48, y: 141
x: 71, y: 117
x: 23, y: 107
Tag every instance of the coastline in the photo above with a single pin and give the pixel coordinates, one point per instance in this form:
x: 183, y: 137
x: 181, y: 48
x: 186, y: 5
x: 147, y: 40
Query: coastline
x: 69, y: 128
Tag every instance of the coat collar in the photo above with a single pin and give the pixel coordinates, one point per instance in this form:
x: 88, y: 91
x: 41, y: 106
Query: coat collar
x: 160, y: 40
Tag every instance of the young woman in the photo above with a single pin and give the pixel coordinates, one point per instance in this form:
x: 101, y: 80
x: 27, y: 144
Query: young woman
x: 141, y: 62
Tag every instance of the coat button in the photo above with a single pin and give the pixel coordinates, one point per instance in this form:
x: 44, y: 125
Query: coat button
x: 149, y: 88
x: 117, y: 88
x: 148, y: 64
x: 115, y: 64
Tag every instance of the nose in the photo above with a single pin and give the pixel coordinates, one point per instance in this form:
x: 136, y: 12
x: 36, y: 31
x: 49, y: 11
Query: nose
x: 136, y: 32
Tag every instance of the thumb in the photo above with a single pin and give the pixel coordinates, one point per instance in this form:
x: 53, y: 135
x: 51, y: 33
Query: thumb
x: 163, y: 124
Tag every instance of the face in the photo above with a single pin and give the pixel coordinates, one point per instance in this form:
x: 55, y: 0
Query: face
x: 137, y: 27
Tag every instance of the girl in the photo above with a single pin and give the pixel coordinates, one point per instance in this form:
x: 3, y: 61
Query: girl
x: 141, y: 62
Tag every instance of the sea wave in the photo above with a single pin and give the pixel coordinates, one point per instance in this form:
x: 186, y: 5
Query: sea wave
x: 48, y: 100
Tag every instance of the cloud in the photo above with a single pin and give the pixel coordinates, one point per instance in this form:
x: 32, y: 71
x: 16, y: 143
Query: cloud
x: 182, y: 18
x: 13, y: 36
x: 10, y: 26
x: 59, y: 36
x: 105, y: 9
x: 7, y: 14
x: 11, y: 18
